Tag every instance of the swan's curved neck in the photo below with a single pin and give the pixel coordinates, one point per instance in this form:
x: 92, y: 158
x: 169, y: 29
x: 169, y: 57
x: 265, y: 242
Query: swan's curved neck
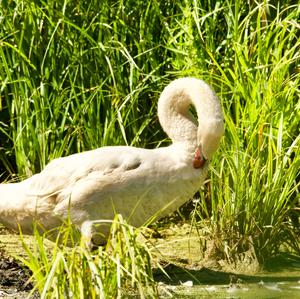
x: 177, y: 120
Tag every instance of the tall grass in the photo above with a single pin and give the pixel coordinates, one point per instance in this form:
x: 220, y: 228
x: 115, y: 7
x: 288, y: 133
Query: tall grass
x: 78, y: 75
x: 120, y: 269
x: 254, y: 188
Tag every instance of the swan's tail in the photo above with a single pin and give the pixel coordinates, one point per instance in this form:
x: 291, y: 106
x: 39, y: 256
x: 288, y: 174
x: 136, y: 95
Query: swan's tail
x: 11, y: 202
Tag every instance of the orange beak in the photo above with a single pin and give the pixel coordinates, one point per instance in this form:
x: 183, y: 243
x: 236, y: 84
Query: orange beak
x: 199, y: 159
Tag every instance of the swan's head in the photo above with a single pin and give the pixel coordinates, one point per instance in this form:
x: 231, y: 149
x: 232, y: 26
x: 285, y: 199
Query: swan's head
x: 209, y: 136
x: 210, y: 119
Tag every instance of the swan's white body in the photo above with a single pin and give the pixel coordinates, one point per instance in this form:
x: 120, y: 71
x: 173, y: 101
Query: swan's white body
x: 137, y: 183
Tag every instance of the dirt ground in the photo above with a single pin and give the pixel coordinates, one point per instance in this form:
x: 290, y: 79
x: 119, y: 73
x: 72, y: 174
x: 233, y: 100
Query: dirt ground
x: 14, y: 277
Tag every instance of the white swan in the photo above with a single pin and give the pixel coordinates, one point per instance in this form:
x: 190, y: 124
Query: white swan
x: 134, y: 182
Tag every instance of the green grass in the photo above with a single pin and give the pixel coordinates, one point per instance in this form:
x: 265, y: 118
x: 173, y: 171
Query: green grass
x: 78, y: 75
x: 121, y: 268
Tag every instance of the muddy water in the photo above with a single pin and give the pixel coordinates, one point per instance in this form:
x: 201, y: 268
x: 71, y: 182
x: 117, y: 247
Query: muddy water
x: 262, y: 290
x: 280, y: 281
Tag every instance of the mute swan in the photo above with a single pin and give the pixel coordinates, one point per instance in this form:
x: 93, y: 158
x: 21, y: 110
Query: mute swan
x: 137, y: 183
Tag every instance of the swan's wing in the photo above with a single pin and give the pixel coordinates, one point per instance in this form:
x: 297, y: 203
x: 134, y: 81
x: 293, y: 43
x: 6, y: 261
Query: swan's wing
x: 99, y: 166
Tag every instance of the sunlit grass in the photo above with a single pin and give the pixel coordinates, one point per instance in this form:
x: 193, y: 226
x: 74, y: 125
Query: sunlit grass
x: 254, y: 188
x: 120, y: 268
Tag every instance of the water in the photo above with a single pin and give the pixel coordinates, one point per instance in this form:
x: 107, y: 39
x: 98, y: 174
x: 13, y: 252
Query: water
x: 280, y: 280
x: 261, y: 290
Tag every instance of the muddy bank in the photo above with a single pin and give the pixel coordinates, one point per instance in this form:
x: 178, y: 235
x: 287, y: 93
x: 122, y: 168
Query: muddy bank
x: 14, y: 278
